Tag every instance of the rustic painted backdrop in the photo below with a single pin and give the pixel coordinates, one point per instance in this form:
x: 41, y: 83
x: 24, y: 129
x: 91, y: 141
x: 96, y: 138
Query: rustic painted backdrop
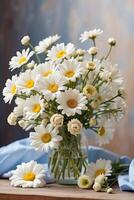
x: 40, y: 18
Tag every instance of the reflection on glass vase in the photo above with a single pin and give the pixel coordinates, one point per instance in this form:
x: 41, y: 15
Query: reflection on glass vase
x: 69, y: 161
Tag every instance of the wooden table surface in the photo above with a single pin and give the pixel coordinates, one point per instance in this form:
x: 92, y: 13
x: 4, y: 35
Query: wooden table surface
x: 58, y: 192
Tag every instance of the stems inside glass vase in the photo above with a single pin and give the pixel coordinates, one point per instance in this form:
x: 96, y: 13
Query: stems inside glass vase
x: 68, y: 162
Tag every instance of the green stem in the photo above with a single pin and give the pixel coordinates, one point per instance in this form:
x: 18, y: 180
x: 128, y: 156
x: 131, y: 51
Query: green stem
x: 109, y: 100
x: 94, y: 43
x: 100, y: 84
x: 85, y: 78
x: 106, y: 111
x: 36, y: 55
x: 110, y: 49
x: 96, y: 78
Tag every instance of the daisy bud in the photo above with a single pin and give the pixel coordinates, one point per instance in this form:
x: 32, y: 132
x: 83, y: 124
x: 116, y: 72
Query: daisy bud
x: 25, y: 40
x: 46, y: 105
x: 12, y: 119
x: 57, y: 120
x: 23, y: 124
x: 74, y: 126
x: 122, y: 93
x: 97, y: 187
x: 91, y: 65
x: 109, y: 190
x: 93, y: 51
x: 92, y: 121
x: 45, y: 121
x: 100, y: 179
x: 31, y: 64
x: 84, y: 182
x: 112, y: 41
x: 95, y: 103
x: 80, y: 52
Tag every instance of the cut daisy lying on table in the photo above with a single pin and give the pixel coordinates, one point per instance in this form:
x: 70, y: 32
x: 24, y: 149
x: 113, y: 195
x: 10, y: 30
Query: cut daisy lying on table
x: 61, y: 95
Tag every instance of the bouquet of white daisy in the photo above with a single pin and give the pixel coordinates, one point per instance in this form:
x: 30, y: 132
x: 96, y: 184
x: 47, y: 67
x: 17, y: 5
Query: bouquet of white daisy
x: 63, y: 96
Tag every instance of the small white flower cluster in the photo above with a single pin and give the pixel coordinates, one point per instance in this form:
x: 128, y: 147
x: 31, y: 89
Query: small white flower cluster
x: 69, y: 88
x: 96, y: 176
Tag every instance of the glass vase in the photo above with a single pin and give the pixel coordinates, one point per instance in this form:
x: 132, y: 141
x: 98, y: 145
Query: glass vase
x: 69, y: 161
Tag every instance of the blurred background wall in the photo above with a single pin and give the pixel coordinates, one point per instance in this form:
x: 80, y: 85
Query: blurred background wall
x: 40, y: 18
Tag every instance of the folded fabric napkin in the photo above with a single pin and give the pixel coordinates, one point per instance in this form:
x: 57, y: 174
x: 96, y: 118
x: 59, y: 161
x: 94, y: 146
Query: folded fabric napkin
x: 126, y: 182
x: 21, y: 151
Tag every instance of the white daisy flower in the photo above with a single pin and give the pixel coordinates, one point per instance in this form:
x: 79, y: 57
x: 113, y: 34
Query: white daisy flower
x: 20, y: 59
x: 60, y: 51
x: 119, y: 103
x: 100, y: 167
x: 28, y: 175
x: 112, y: 75
x: 34, y: 107
x: 101, y: 96
x: 51, y: 86
x: 45, y: 138
x: 46, y: 43
x: 71, y: 69
x: 71, y: 102
x: 90, y: 34
x: 45, y: 69
x: 114, y: 78
x: 105, y: 132
x: 18, y: 110
x: 27, y: 81
x: 11, y: 89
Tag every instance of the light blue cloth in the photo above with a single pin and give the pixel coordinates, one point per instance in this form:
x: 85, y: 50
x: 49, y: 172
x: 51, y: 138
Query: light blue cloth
x: 21, y: 151
x: 126, y: 182
x: 18, y: 152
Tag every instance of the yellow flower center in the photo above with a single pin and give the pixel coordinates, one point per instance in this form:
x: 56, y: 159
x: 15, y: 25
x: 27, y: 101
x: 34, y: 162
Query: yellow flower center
x: 69, y: 73
x: 46, y: 137
x: 22, y: 60
x: 110, y: 79
x: 29, y: 83
x: 89, y: 90
x: 101, y: 131
x: 47, y: 73
x: 72, y: 103
x: 99, y: 172
x: 36, y: 108
x: 99, y: 98
x: 61, y: 54
x: 30, y: 176
x: 53, y: 87
x: 13, y: 89
x: 85, y: 182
